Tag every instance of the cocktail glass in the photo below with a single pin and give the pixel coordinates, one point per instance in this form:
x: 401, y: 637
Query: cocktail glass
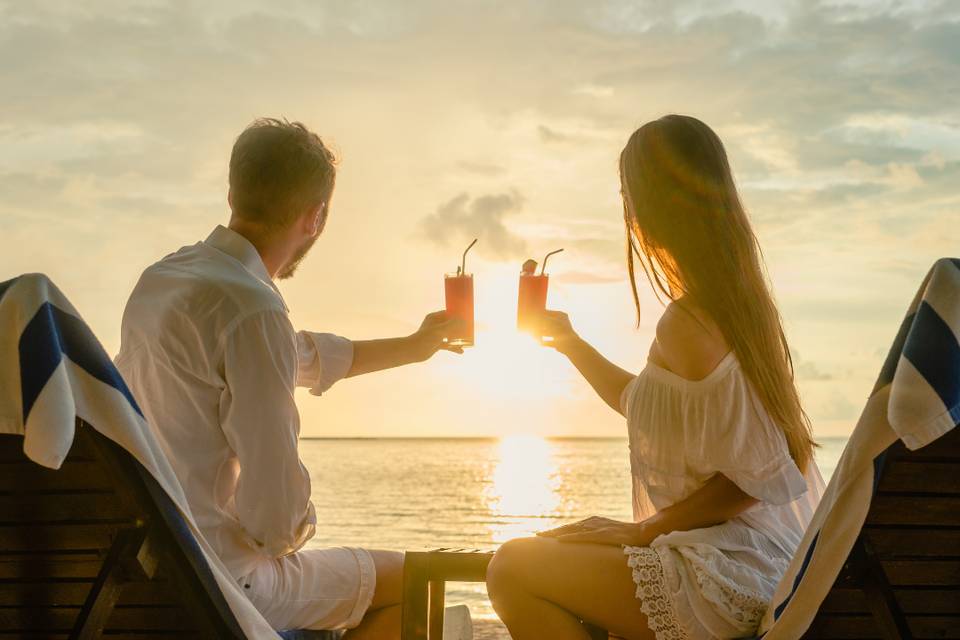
x: 459, y: 294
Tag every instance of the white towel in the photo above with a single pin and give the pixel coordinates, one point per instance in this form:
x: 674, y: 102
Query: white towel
x: 53, y: 369
x: 917, y: 400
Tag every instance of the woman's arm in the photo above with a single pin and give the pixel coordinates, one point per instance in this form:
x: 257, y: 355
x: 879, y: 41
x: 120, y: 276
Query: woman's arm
x: 606, y: 378
x: 717, y: 501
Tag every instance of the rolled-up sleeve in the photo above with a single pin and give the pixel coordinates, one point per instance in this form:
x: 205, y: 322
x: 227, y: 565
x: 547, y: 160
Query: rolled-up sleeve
x: 324, y: 358
x: 261, y: 423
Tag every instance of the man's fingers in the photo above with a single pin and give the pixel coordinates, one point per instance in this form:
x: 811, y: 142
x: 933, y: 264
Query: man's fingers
x: 452, y: 348
x: 446, y: 327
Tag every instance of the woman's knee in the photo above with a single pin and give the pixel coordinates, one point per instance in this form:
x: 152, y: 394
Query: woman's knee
x: 509, y: 564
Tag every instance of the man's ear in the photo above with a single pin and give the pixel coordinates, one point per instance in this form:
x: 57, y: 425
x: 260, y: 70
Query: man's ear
x: 316, y: 219
x: 230, y: 198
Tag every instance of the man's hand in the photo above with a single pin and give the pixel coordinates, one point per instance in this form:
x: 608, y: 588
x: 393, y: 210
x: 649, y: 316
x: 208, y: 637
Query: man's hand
x: 432, y: 334
x: 600, y: 530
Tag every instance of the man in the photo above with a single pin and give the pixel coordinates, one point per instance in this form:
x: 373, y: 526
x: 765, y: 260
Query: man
x: 210, y: 354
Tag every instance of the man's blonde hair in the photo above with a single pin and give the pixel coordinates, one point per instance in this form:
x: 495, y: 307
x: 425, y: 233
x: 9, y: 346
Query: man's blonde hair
x: 277, y: 170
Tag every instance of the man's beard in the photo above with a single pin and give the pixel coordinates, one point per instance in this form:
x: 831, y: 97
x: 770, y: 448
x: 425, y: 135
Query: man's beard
x: 288, y: 270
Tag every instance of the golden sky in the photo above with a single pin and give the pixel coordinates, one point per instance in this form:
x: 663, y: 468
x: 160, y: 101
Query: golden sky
x: 501, y: 120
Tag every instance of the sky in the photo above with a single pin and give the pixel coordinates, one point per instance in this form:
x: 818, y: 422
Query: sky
x: 503, y: 121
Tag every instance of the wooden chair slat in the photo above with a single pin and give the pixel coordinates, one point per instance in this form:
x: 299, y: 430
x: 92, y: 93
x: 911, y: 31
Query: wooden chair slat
x: 940, y: 478
x: 946, y: 449
x: 156, y: 635
x: 843, y: 627
x: 153, y: 618
x: 72, y: 476
x: 59, y: 537
x: 83, y: 507
x: 922, y: 572
x: 912, y: 601
x: 30, y: 567
x: 22, y: 619
x: 890, y: 542
x: 915, y: 511
x: 80, y: 450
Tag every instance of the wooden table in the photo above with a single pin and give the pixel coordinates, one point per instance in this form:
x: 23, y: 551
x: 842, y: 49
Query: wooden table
x: 425, y: 574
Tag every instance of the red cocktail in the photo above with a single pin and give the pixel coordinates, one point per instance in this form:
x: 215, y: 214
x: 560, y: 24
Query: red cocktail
x: 459, y: 294
x: 532, y: 296
x: 531, y: 301
x: 458, y: 288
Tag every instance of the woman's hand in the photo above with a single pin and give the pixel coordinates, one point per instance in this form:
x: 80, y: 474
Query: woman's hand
x: 558, y: 331
x: 599, y: 530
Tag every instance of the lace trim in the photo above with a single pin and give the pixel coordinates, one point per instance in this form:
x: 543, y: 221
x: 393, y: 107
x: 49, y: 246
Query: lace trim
x: 746, y: 607
x: 655, y: 602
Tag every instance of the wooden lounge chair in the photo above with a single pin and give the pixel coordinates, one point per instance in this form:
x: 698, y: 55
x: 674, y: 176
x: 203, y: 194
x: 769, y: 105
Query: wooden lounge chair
x: 881, y: 557
x: 97, y: 548
x: 902, y: 577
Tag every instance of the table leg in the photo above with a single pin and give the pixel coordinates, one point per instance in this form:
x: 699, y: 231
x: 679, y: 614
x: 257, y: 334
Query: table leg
x: 413, y: 612
x: 436, y: 609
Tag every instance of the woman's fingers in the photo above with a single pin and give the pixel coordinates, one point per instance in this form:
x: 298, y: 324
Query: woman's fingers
x: 606, y: 535
x: 592, y: 521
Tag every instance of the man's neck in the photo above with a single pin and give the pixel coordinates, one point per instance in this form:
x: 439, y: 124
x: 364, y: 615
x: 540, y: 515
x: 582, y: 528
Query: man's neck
x: 273, y: 253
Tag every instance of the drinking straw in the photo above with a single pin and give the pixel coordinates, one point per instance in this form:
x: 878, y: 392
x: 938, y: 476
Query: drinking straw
x: 463, y: 267
x: 543, y: 267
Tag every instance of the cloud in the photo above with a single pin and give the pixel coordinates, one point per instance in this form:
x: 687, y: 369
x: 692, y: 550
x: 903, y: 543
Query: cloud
x: 588, y: 277
x: 835, y: 406
x: 487, y: 169
x: 458, y: 220
x: 808, y: 371
x: 549, y: 135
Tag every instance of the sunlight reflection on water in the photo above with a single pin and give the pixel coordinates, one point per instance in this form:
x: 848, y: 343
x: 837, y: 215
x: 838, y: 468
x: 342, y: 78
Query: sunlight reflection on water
x: 525, y: 487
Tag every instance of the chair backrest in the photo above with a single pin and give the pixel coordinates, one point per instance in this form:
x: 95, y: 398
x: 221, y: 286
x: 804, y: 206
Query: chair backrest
x: 97, y: 547
x: 902, y: 578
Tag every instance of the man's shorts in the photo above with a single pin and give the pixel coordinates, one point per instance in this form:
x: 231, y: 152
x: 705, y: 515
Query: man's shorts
x: 313, y: 588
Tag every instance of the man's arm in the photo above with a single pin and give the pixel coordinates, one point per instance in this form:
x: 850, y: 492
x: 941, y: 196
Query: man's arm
x: 326, y: 358
x: 260, y: 421
x: 377, y: 355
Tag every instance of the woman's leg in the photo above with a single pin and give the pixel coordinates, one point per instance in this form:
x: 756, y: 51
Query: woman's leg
x: 542, y: 588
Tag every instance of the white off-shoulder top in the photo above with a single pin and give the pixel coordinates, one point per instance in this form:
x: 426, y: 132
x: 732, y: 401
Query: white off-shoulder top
x: 682, y: 432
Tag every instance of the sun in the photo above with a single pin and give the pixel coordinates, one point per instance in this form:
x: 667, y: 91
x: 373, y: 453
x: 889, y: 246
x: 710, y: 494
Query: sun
x: 506, y: 364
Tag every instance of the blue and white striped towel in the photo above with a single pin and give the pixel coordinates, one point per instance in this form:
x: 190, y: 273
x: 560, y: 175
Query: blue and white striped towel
x: 53, y: 369
x: 917, y: 400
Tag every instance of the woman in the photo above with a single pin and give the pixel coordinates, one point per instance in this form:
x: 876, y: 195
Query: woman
x: 721, y: 452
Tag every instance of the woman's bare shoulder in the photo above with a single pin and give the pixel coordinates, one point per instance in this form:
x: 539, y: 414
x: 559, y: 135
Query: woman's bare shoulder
x: 689, y: 342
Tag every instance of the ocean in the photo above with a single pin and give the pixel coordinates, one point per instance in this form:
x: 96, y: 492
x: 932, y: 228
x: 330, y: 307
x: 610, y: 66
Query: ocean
x: 417, y: 494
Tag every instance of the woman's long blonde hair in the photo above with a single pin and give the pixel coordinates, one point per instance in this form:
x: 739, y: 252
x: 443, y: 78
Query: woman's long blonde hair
x: 687, y: 227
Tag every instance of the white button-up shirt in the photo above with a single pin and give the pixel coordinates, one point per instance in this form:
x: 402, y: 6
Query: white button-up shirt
x: 209, y: 352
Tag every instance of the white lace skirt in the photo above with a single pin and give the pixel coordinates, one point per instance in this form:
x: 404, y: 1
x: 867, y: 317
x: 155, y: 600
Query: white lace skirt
x: 707, y: 583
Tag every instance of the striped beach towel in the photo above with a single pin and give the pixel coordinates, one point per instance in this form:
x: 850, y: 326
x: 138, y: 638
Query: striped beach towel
x: 52, y: 370
x: 916, y: 399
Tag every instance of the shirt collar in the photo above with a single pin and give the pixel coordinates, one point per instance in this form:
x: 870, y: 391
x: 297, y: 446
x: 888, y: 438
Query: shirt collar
x: 242, y: 250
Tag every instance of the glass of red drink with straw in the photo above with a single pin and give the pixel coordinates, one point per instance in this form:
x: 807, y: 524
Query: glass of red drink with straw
x: 532, y: 296
x: 458, y: 288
